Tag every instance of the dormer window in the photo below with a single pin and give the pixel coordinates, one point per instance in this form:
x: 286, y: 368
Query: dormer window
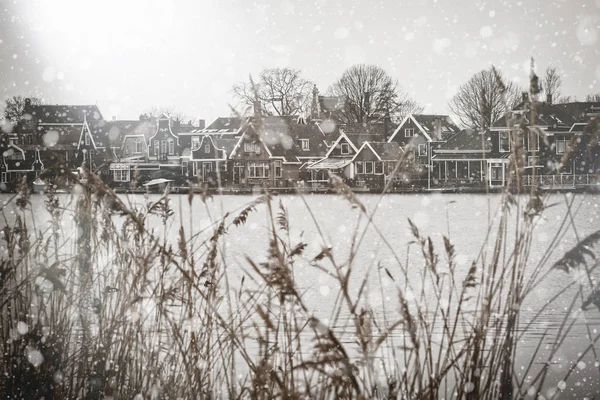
x: 207, y: 148
x: 409, y: 132
x: 251, y: 147
x: 305, y: 144
x: 138, y: 146
x: 87, y: 139
x: 345, y: 148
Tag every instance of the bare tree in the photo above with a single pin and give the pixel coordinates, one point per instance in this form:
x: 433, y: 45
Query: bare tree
x: 280, y: 91
x: 593, y: 98
x: 479, y: 103
x: 552, y: 83
x: 15, y: 107
x: 370, y: 94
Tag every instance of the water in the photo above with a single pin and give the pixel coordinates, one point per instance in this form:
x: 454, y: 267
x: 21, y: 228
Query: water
x: 386, y: 245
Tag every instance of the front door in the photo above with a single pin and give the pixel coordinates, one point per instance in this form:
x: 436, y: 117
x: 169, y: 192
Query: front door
x: 206, y: 170
x: 496, y: 173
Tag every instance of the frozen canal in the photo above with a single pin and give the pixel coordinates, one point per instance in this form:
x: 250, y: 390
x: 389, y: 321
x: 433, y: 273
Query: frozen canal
x: 332, y: 223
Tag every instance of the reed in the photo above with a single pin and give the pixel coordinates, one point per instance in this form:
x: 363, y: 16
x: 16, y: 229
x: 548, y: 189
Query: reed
x: 104, y: 305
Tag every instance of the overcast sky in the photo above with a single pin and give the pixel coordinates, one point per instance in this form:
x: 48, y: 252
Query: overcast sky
x: 129, y: 55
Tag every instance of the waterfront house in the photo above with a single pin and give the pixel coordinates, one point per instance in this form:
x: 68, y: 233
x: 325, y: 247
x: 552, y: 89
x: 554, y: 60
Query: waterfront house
x: 375, y: 163
x: 339, y: 156
x: 272, y: 150
x: 68, y: 136
x: 541, y: 153
x: 419, y: 134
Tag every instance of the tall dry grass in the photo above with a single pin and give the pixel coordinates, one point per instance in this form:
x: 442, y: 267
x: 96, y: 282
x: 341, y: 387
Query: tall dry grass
x: 117, y: 309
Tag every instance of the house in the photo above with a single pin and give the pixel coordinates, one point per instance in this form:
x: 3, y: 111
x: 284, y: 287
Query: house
x: 466, y: 159
x: 480, y: 159
x: 131, y: 158
x: 418, y: 134
x: 209, y: 159
x: 375, y: 162
x: 272, y: 150
x: 205, y: 150
x: 543, y: 153
x: 71, y: 136
x: 339, y: 156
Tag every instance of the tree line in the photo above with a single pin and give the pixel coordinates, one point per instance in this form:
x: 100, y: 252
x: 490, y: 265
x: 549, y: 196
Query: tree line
x: 363, y: 92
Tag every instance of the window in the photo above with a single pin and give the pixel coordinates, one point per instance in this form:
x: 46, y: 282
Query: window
x: 305, y: 144
x: 368, y: 167
x: 138, y: 146
x: 277, y: 167
x: 533, y: 145
x: 251, y: 147
x: 422, y: 149
x: 156, y: 145
x: 530, y: 161
x: 163, y: 146
x: 504, y: 142
x: 11, y: 154
x: 567, y: 168
x: 195, y: 142
x: 378, y: 167
x: 496, y: 172
x: 409, y: 132
x: 360, y: 168
x: 171, y: 147
x: 561, y: 145
x: 258, y: 170
x: 345, y: 148
x: 3, y: 177
x: 207, y: 148
x: 86, y: 139
x: 121, y: 175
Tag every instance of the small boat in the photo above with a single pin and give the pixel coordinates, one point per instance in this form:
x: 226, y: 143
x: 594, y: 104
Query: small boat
x: 39, y: 186
x: 157, y: 185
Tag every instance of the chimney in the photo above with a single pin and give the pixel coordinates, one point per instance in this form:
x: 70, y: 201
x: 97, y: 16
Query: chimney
x: 314, y: 111
x: 201, y: 123
x: 257, y: 109
x: 114, y: 117
x: 525, y: 97
x: 437, y: 134
x: 386, y: 127
x: 549, y: 98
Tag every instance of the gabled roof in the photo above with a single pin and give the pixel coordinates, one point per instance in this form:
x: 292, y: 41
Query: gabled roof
x: 426, y: 123
x: 466, y: 141
x: 225, y: 123
x: 338, y: 140
x: 385, y: 150
x: 579, y: 110
x: 63, y: 114
x: 119, y: 129
x: 546, y: 114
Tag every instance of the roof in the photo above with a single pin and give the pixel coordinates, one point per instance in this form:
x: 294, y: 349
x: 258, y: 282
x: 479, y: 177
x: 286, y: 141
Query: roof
x: 579, y: 109
x: 63, y: 114
x: 330, y: 163
x: 282, y: 135
x: 428, y: 122
x: 226, y: 144
x: 386, y: 151
x: 466, y: 141
x: 546, y: 115
x: 223, y: 124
